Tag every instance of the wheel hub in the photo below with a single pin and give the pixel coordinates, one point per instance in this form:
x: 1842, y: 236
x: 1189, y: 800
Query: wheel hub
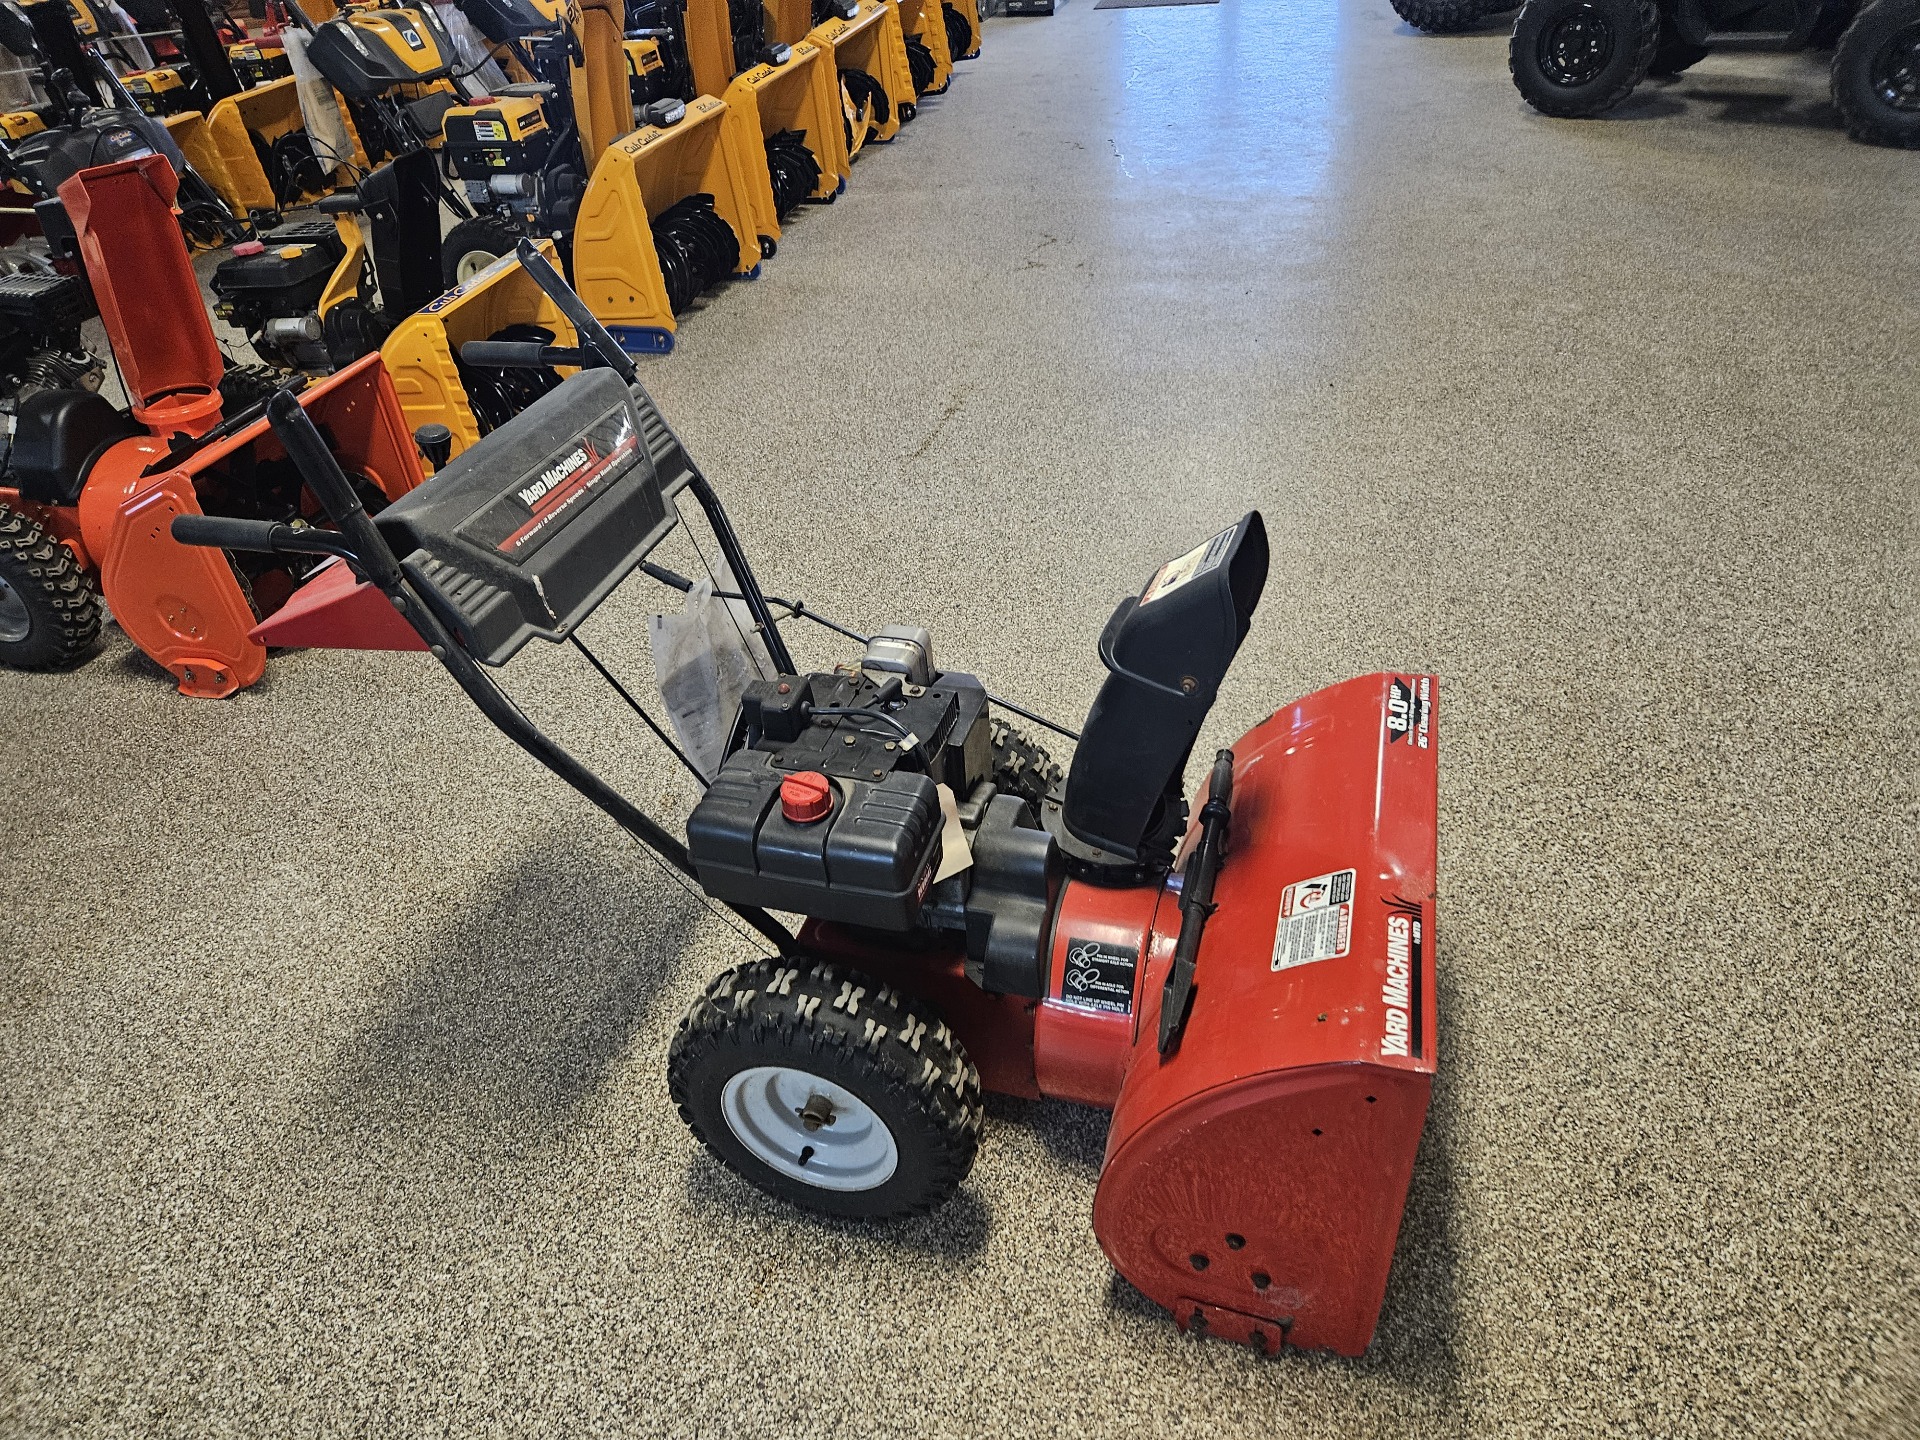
x: 1896, y: 69
x: 1576, y: 48
x: 472, y: 263
x: 808, y: 1128
x: 15, y: 623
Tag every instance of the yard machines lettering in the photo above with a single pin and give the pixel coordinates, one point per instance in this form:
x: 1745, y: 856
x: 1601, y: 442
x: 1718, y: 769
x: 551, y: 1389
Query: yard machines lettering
x: 1251, y: 994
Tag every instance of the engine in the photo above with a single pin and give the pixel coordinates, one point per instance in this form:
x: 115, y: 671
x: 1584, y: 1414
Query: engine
x: 271, y: 288
x: 866, y: 796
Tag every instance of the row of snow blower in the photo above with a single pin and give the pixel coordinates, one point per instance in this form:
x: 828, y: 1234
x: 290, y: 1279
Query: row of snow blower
x: 1578, y: 58
x: 660, y: 149
x: 647, y: 216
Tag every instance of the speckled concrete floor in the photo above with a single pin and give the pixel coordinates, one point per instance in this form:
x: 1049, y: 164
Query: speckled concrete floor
x: 331, y: 1032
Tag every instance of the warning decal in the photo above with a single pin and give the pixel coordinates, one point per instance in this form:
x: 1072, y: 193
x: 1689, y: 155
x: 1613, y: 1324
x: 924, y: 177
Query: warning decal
x: 1201, y: 560
x: 1316, y: 920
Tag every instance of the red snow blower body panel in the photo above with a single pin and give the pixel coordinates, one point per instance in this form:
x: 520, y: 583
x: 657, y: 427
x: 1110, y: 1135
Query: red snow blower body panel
x: 1255, y: 1176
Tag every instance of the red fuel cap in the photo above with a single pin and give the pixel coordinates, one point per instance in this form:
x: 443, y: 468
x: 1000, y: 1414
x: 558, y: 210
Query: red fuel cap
x: 249, y: 247
x: 806, y: 797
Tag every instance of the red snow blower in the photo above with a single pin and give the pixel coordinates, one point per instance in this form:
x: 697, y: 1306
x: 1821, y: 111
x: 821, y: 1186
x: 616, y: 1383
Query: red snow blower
x: 1252, y: 994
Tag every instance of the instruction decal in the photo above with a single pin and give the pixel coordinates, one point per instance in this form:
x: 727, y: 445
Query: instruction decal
x: 1202, y: 560
x: 1099, y: 976
x: 1316, y: 920
x: 1408, y: 704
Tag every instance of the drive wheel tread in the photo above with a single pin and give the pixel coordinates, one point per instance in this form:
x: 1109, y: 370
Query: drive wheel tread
x: 481, y: 232
x: 889, y: 1049
x: 62, y: 602
x: 1447, y: 17
x: 1023, y: 768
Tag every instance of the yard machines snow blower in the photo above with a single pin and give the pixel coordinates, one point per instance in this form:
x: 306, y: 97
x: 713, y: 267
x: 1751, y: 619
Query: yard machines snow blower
x: 1251, y: 994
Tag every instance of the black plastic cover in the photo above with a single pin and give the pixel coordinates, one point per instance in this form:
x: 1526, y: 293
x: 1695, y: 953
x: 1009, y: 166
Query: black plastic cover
x: 1166, y: 651
x: 504, y: 20
x: 320, y: 253
x: 57, y: 437
x: 530, y: 528
x: 869, y: 862
x: 359, y: 63
x: 1012, y: 885
x: 46, y: 303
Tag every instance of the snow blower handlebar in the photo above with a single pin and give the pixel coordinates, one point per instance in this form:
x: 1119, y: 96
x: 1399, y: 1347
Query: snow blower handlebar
x: 360, y: 543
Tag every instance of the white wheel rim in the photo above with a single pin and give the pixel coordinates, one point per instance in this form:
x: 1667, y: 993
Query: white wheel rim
x: 854, y: 1150
x: 472, y: 263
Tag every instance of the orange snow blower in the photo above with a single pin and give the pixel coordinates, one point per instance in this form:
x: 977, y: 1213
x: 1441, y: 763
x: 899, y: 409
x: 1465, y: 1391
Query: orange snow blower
x: 89, y: 489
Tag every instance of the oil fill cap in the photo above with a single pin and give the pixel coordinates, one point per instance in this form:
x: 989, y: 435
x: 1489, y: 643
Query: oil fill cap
x: 806, y: 797
x: 292, y: 252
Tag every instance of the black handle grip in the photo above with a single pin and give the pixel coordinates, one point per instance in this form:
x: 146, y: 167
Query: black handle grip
x: 506, y: 353
x: 223, y: 533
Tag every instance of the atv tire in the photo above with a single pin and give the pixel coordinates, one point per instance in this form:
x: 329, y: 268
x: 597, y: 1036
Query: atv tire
x: 1876, y: 75
x: 474, y: 244
x: 777, y: 1053
x: 1447, y: 17
x: 1573, y: 58
x: 49, y: 607
x: 1022, y: 768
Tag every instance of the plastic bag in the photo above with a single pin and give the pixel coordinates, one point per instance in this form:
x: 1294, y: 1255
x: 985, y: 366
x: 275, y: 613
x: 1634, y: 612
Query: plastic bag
x: 705, y: 656
x: 319, y: 106
x: 472, y: 47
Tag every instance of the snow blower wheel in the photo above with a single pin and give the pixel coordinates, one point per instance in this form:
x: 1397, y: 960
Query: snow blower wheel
x: 473, y: 245
x: 49, y: 608
x: 828, y: 1089
x: 1573, y: 58
x: 1876, y: 75
x: 1448, y: 17
x: 1022, y: 768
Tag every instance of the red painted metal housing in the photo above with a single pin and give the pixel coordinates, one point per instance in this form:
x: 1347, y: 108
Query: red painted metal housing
x: 1255, y: 1178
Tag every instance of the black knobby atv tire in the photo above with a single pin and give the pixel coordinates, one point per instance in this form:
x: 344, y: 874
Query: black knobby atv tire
x: 889, y: 1050
x: 1867, y: 59
x: 1447, y: 17
x: 60, y: 603
x: 486, y: 233
x: 1634, y: 30
x: 1022, y: 768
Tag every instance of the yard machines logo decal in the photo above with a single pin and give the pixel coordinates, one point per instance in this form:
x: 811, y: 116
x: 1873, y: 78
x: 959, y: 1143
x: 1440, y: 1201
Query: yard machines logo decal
x: 530, y: 514
x: 1400, y: 992
x: 1099, y: 976
x: 1408, y: 705
x: 1316, y: 920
